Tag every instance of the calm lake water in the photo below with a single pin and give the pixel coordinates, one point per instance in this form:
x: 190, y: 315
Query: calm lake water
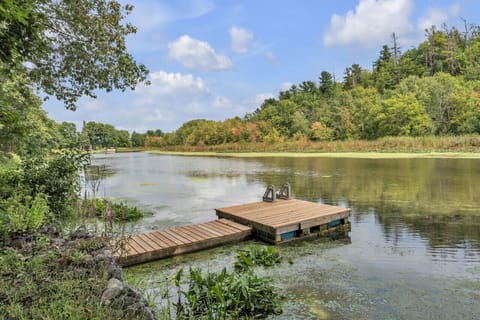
x: 413, y: 252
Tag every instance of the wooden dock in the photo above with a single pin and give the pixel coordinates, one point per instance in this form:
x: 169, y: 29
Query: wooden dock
x: 150, y: 246
x: 275, y: 222
x: 286, y: 220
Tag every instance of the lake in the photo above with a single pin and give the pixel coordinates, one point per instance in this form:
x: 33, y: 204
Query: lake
x: 413, y: 252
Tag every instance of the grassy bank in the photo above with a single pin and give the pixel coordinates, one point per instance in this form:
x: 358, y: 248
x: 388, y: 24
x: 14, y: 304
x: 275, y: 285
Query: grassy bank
x: 50, y: 280
x: 392, y: 147
x: 362, y: 155
x: 399, y: 147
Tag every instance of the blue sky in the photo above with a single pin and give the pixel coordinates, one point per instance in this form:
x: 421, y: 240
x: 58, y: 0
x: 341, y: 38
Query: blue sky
x: 219, y: 59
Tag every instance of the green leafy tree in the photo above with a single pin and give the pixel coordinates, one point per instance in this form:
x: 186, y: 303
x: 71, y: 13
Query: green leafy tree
x: 384, y: 70
x: 122, y: 138
x: 364, y: 105
x: 412, y: 61
x: 356, y: 76
x: 465, y: 114
x: 18, y: 31
x: 320, y: 132
x: 24, y: 126
x: 327, y: 84
x: 138, y: 139
x: 403, y: 115
x: 69, y: 135
x: 472, y: 60
x: 300, y: 124
x: 103, y: 135
x: 69, y: 49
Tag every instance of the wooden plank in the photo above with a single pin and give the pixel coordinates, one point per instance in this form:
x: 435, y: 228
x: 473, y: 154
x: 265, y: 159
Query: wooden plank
x: 145, y: 242
x: 301, y: 211
x: 223, y: 227
x: 129, y: 250
x: 137, y: 244
x: 210, y: 230
x: 259, y: 208
x: 282, y: 214
x: 323, y: 220
x: 206, y: 235
x: 170, y: 243
x: 185, y: 234
x: 201, y: 233
x: 124, y: 244
x: 174, y: 237
x: 159, y: 243
x: 237, y: 226
x: 191, y: 233
x: 303, y: 215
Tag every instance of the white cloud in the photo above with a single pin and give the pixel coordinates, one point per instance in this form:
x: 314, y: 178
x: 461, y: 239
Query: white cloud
x: 171, y: 100
x: 370, y: 24
x: 173, y: 89
x: 261, y: 97
x: 194, y: 54
x: 271, y: 57
x: 241, y: 40
x: 93, y: 104
x: 437, y: 16
x: 172, y: 83
x: 286, y: 86
x: 150, y: 35
x: 221, y: 102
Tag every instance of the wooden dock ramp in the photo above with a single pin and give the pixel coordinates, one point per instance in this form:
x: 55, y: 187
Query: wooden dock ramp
x: 151, y: 246
x: 286, y: 220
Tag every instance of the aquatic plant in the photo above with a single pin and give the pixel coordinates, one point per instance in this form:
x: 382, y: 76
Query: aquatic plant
x: 225, y: 295
x: 266, y: 256
x: 117, y: 211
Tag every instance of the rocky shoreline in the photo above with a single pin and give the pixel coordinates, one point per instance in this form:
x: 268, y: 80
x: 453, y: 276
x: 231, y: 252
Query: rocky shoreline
x: 85, y: 257
x: 118, y: 293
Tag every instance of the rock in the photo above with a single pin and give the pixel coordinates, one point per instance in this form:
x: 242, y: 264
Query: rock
x: 88, y: 260
x: 51, y: 230
x: 57, y: 242
x: 114, y: 271
x: 80, y: 233
x: 19, y: 242
x: 140, y: 311
x: 114, y: 288
x: 115, y: 283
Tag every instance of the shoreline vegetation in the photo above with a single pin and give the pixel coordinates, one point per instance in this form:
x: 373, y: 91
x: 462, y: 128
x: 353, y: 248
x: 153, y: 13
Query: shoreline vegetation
x: 358, y: 155
x: 467, y: 146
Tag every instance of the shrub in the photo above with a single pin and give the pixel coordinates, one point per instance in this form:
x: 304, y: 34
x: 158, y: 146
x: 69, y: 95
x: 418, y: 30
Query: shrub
x: 57, y: 177
x: 118, y: 211
x: 20, y: 218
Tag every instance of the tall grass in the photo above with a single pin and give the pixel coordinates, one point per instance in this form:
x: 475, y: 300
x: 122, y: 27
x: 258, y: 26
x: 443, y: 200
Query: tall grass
x: 466, y: 143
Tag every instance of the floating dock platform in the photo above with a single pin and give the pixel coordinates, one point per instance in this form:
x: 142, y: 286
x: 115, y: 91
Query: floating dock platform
x: 156, y: 245
x: 275, y: 222
x: 285, y: 220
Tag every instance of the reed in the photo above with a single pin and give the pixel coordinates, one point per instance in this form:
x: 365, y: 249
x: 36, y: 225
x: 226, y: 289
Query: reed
x: 466, y: 143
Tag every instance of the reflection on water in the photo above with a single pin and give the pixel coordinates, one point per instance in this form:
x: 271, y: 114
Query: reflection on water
x: 415, y: 240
